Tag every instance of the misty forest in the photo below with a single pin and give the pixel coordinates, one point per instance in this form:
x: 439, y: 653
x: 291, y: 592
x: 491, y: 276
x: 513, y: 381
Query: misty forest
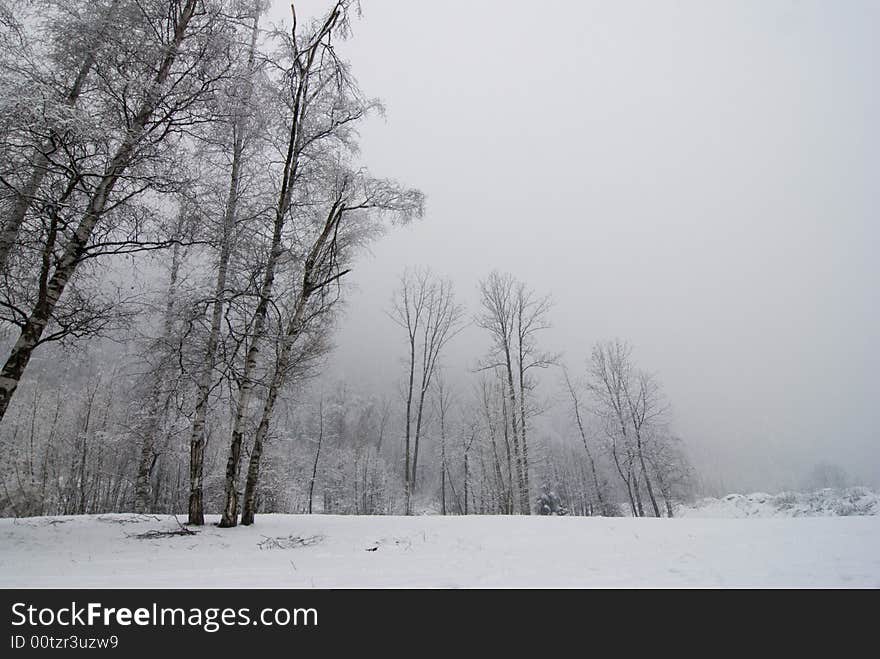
x: 186, y: 212
x: 183, y: 209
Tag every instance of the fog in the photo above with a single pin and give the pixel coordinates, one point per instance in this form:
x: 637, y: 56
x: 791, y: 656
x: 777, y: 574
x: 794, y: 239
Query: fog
x: 699, y: 179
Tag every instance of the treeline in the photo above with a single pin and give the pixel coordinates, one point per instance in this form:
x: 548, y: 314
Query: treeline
x: 181, y: 207
x: 336, y: 449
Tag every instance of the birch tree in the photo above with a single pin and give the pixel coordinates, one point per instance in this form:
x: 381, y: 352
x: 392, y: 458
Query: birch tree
x: 237, y: 135
x: 358, y: 204
x: 324, y: 103
x: 306, y: 78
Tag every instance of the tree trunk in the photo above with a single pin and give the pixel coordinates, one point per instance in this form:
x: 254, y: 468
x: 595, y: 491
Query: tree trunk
x: 197, y: 436
x: 498, y: 471
x: 415, y: 460
x: 233, y: 464
x: 580, y: 425
x: 147, y: 455
x: 525, y: 497
x: 253, y: 474
x: 636, y: 488
x: 650, y: 489
x: 295, y: 326
x: 442, y: 462
x: 645, y: 476
x: 511, y: 392
x: 466, y: 482
x: 626, y: 480
x: 317, y: 453
x: 407, y: 486
x: 509, y: 489
x: 291, y: 164
x: 664, y: 491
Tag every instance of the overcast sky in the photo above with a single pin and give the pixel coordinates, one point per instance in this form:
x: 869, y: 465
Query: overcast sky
x: 698, y: 178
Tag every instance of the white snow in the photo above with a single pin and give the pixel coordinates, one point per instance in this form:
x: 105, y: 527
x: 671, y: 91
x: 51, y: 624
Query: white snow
x: 822, y: 503
x: 435, y: 551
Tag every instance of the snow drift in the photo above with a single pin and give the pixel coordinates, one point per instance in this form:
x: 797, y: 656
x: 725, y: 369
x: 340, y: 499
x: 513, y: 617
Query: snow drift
x: 822, y: 503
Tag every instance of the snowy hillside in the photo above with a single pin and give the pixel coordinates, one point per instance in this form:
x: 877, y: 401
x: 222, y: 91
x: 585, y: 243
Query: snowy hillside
x: 822, y: 503
x: 434, y: 551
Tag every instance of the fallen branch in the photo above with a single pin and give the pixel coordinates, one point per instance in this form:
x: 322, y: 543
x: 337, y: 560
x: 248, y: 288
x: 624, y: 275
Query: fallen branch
x: 131, y: 519
x: 290, y: 542
x: 153, y: 534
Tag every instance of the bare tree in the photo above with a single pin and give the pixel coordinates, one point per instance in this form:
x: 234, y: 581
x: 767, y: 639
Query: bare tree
x: 597, y: 487
x: 240, y: 126
x: 498, y: 318
x: 669, y: 463
x: 154, y: 111
x: 530, y: 318
x: 308, y: 76
x: 609, y: 376
x: 357, y: 204
x: 645, y: 408
x: 425, y: 307
x: 632, y: 408
x: 514, y: 315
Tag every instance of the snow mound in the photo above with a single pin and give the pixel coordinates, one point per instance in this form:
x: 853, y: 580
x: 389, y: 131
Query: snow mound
x: 852, y: 501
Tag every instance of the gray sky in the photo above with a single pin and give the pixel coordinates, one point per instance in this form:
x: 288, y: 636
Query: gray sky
x: 699, y: 178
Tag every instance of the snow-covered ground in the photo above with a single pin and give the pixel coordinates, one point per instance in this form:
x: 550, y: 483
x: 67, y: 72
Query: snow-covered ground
x: 433, y: 551
x: 822, y: 503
